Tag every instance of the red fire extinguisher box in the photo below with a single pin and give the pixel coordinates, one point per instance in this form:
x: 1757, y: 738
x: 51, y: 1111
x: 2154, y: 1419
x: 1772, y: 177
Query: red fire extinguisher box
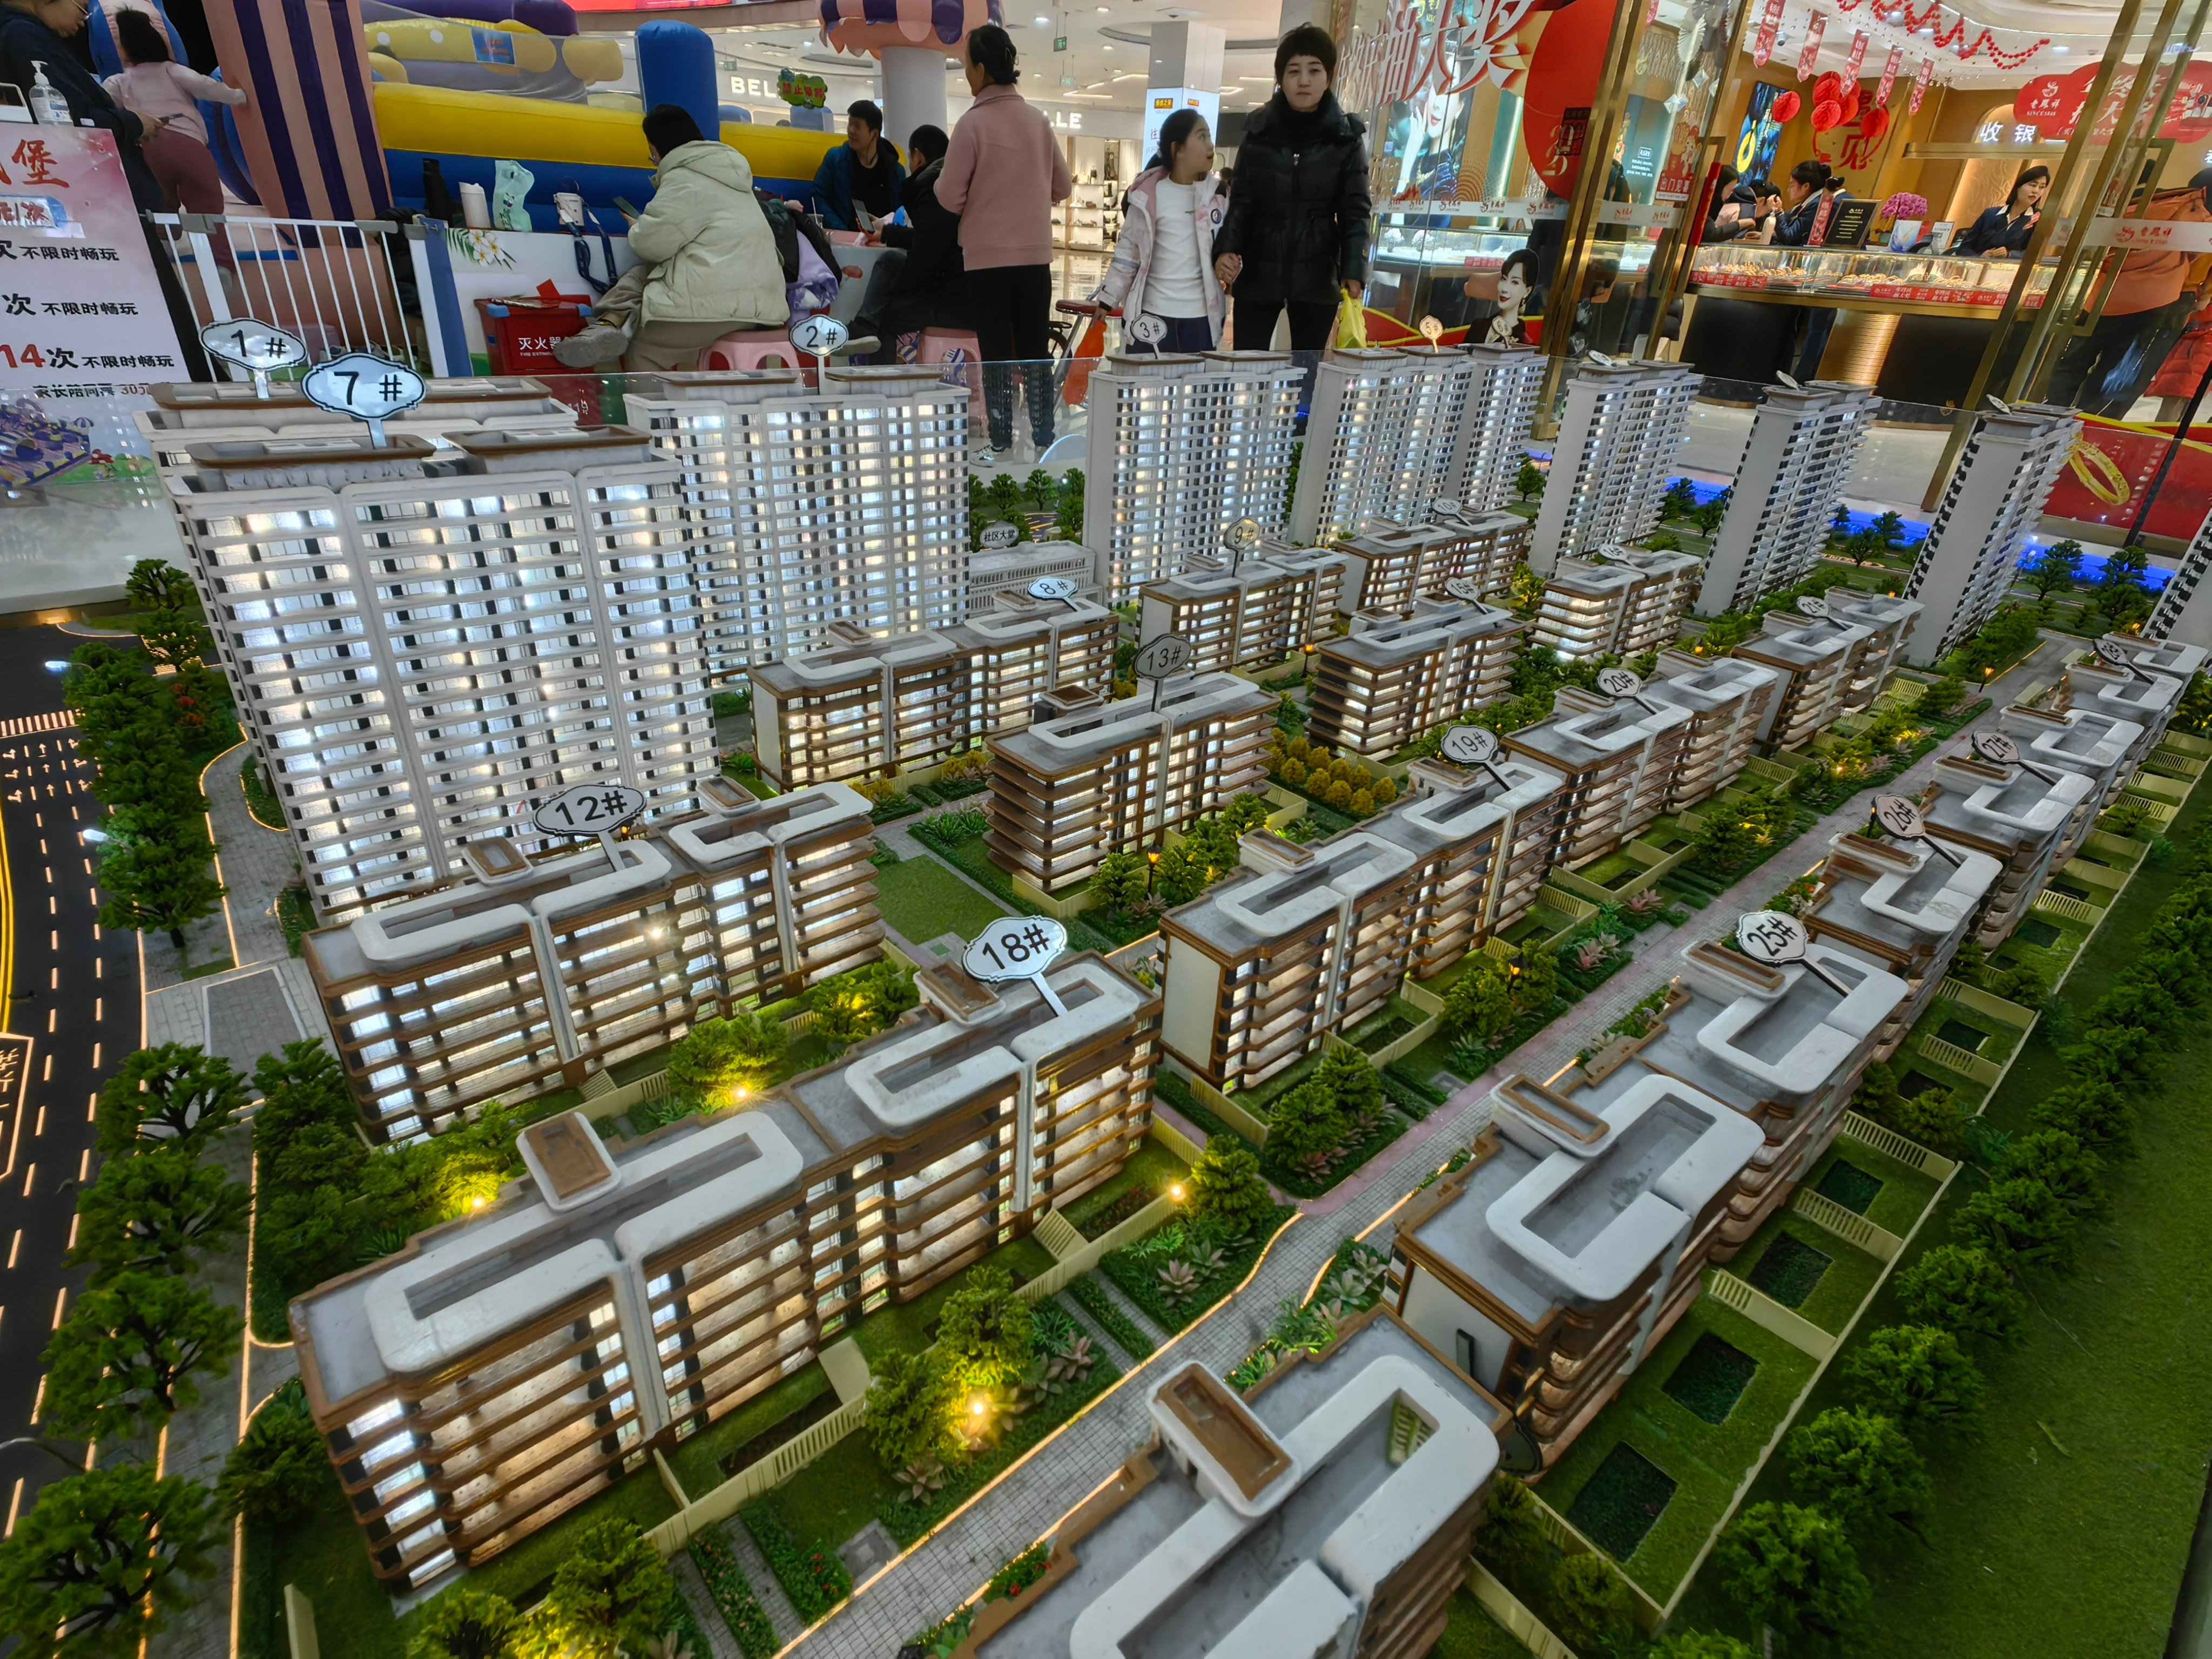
x: 519, y: 330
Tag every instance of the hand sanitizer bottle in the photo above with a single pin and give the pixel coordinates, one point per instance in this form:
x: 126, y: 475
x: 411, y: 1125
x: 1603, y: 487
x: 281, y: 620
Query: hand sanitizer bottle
x: 51, y: 108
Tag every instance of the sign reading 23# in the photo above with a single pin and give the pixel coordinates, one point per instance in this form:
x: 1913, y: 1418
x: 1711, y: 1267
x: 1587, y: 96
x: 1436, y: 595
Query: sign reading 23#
x: 82, y: 315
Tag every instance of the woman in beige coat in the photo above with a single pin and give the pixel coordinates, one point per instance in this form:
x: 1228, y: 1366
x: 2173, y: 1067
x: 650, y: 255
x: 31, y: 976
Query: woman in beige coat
x: 706, y: 263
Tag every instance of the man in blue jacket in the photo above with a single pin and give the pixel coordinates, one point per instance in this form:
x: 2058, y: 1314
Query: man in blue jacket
x: 862, y: 171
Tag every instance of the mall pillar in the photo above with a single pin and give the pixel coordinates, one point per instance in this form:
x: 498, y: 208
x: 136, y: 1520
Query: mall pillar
x: 308, y: 129
x: 913, y: 90
x: 1186, y: 70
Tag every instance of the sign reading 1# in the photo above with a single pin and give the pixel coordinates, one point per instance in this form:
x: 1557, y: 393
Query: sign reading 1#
x: 370, y: 389
x: 1018, y: 947
x: 257, y: 348
x: 589, y: 809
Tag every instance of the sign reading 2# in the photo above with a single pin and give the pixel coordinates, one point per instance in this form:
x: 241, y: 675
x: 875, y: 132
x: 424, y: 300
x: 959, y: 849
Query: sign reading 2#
x: 368, y: 388
x: 589, y: 809
x: 819, y: 336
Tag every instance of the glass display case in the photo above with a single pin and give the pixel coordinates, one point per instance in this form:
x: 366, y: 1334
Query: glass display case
x: 1965, y: 284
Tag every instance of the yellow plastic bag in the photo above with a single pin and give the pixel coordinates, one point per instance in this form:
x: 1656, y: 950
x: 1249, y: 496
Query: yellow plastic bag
x: 1351, y: 323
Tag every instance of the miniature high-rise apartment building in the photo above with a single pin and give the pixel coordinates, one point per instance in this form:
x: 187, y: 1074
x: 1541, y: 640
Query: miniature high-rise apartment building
x: 1552, y: 1265
x: 1620, y: 760
x: 858, y: 706
x: 1621, y: 602
x: 2030, y: 824
x: 1905, y: 906
x: 618, y: 1297
x: 1250, y: 613
x: 1380, y: 442
x: 1094, y: 777
x: 1399, y: 673
x: 423, y: 644
x: 1012, y: 569
x: 848, y: 503
x: 529, y: 976
x: 1327, y: 1510
x: 1502, y: 384
x: 1615, y: 452
x: 1803, y: 440
x: 1179, y: 447
x: 2183, y: 614
x: 1727, y: 700
x: 1994, y: 498
x: 1311, y: 939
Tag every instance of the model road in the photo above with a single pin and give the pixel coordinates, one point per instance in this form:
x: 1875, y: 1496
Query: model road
x: 71, y: 994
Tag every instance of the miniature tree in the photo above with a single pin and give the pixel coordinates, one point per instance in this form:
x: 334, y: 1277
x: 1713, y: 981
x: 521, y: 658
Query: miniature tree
x: 1529, y: 480
x: 1227, y: 1188
x: 275, y: 1473
x: 157, y: 584
x: 1839, y: 524
x: 722, y: 1061
x: 1794, y: 1569
x: 983, y: 1331
x: 1589, y: 1603
x: 1511, y: 1542
x: 101, y: 1561
x: 2055, y: 570
x: 1859, y: 1466
x: 1308, y: 1126
x: 1180, y: 875
x: 1005, y: 495
x: 1698, y: 1645
x: 173, y: 1092
x: 1679, y: 501
x: 2097, y: 1113
x: 1040, y: 489
x: 1120, y: 881
x: 1963, y: 1289
x: 2060, y: 1161
x: 909, y: 1416
x: 158, y: 886
x: 130, y: 1353
x: 1709, y: 513
x: 171, y: 637
x: 466, y: 1623
x: 1479, y: 1002
x: 610, y: 1594
x: 2022, y: 1222
x: 1919, y: 1375
x: 155, y: 1211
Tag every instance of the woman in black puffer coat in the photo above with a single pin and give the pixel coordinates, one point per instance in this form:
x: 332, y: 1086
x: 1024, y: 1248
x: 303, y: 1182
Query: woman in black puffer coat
x: 1295, y: 233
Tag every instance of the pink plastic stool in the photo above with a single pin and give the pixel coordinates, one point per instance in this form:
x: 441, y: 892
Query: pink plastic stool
x: 938, y: 345
x: 760, y: 348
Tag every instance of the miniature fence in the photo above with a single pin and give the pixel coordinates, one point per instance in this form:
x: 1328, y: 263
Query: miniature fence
x: 1953, y: 1058
x: 1423, y: 998
x: 1176, y: 1141
x: 1890, y: 1144
x: 2073, y: 909
x: 1765, y: 1312
x: 1522, y: 1626
x: 1093, y: 1250
x: 1228, y: 1111
x: 1057, y: 1233
x: 1396, y: 1049
x: 757, y: 1477
x: 1854, y: 1229
x: 1647, y: 1612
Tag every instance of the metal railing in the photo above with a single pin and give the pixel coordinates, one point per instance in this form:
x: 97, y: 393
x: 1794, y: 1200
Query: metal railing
x: 1890, y: 1144
x: 1762, y: 1310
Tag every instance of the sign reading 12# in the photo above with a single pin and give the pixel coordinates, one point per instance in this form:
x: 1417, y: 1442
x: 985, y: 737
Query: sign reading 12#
x: 589, y: 809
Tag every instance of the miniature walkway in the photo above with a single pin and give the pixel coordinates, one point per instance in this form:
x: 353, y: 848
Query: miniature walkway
x: 938, y: 1575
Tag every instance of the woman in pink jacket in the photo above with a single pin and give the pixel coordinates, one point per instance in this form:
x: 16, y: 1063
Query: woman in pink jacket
x: 1003, y: 172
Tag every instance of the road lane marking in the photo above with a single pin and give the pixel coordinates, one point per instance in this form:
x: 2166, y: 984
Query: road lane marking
x: 14, y: 1245
x: 38, y: 1400
x: 29, y: 1176
x: 61, y: 1301
x: 84, y: 1167
x: 98, y: 1003
x: 41, y: 1130
x: 15, y: 1503
x: 72, y: 1239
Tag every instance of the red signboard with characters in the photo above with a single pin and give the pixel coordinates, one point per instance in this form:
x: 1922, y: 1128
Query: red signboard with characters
x: 2053, y: 103
x: 2113, y: 464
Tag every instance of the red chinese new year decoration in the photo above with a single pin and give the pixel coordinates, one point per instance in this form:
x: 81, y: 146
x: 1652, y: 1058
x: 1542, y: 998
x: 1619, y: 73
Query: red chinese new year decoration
x: 1786, y: 108
x: 1952, y: 34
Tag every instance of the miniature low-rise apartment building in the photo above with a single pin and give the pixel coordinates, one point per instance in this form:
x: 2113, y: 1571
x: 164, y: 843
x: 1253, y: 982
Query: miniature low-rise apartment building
x: 1619, y: 759
x: 1330, y: 1511
x: 530, y: 975
x: 1093, y: 777
x: 861, y: 706
x: 1830, y: 666
x: 1393, y: 564
x: 504, y: 1368
x: 2029, y: 824
x: 2147, y: 691
x: 1313, y: 939
x: 1905, y: 906
x: 1250, y: 615
x: 1727, y: 700
x: 1550, y: 1266
x: 1622, y: 602
x: 1399, y: 674
x: 2101, y: 747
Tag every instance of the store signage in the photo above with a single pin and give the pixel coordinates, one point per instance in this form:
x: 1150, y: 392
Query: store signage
x: 1920, y: 83
x: 1416, y: 54
x: 2155, y: 235
x: 1512, y: 207
x: 2053, y: 103
x: 1888, y: 78
x: 1857, y: 57
x: 1808, y: 58
x: 1637, y: 213
x: 1851, y: 221
x: 1770, y: 26
x: 1160, y: 102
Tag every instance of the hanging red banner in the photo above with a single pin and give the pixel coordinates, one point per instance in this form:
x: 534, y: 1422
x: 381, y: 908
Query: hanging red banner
x: 1852, y: 64
x: 1920, y: 84
x: 1810, y: 56
x: 1888, y: 78
x: 1770, y: 25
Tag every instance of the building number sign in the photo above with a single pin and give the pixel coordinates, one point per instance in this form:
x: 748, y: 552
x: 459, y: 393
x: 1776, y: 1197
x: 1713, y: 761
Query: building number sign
x: 589, y: 809
x: 1018, y: 947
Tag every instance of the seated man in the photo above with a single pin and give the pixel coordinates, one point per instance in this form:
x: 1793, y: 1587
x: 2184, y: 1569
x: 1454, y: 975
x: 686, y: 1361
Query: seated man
x: 916, y: 284
x: 707, y: 260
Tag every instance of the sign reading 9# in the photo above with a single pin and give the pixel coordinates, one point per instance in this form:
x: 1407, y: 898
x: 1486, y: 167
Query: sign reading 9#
x: 368, y: 388
x: 589, y: 809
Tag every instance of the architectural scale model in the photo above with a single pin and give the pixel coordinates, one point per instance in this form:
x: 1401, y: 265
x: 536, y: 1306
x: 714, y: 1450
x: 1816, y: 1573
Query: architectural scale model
x: 1179, y: 446
x: 1830, y: 665
x: 1247, y: 613
x: 1502, y: 384
x: 1011, y: 569
x: 1617, y: 602
x: 2144, y: 682
x: 527, y: 976
x: 1610, y: 464
x: 861, y: 706
x: 1727, y: 700
x: 1906, y: 906
x: 2183, y: 614
x: 1619, y: 758
x: 1393, y: 564
x: 1994, y: 498
x: 422, y: 643
x: 1803, y: 440
x: 1400, y: 673
x: 503, y: 1368
x: 1311, y: 939
x: 1381, y: 440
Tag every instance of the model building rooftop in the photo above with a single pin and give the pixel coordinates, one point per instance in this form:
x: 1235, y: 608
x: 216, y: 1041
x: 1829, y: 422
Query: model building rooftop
x: 1702, y: 685
x: 1901, y: 894
x: 1803, y: 642
x: 1381, y: 638
x: 2009, y: 805
x: 2080, y: 740
x: 1250, y: 1525
x: 1089, y: 729
x: 1592, y: 730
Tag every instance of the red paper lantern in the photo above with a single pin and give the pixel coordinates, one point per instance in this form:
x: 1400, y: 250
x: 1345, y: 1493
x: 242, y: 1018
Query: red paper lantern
x: 1875, y: 125
x: 1828, y: 89
x: 1786, y: 108
x: 1850, y: 102
x: 1827, y: 115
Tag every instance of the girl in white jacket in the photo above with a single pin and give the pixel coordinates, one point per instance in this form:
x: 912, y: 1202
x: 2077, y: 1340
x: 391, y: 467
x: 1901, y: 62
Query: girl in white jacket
x: 1163, y: 265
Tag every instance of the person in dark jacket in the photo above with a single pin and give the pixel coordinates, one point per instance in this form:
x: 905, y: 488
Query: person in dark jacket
x: 1813, y: 194
x: 1295, y: 235
x: 863, y: 172
x: 2004, y: 230
x: 917, y: 281
x: 36, y: 32
x: 1735, y: 210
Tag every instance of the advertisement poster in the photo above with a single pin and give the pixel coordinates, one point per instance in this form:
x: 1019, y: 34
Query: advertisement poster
x: 81, y: 316
x: 1761, y: 134
x: 1888, y: 78
x: 2052, y: 103
x: 1920, y: 84
x: 1856, y: 61
x: 1561, y: 86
